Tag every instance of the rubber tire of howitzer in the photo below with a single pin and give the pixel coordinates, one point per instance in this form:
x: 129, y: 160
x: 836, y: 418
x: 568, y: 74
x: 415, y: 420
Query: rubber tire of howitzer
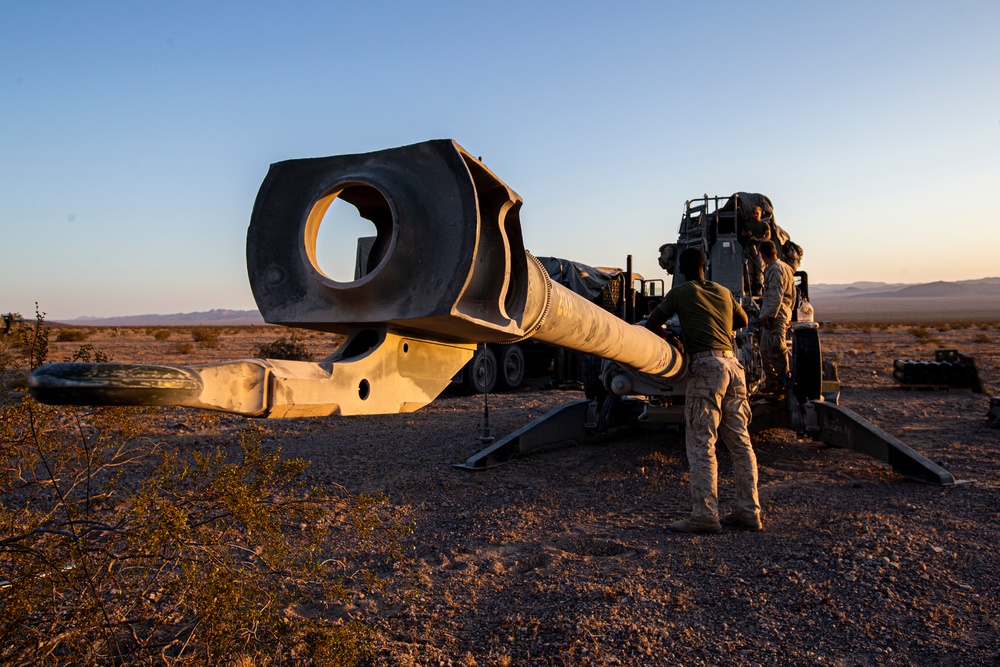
x: 590, y: 375
x: 807, y: 365
x: 511, y: 366
x: 481, y: 371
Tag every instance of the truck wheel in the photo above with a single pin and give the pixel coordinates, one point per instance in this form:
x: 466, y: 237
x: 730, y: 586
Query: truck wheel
x: 481, y: 372
x: 590, y: 374
x: 512, y: 367
x: 807, y: 365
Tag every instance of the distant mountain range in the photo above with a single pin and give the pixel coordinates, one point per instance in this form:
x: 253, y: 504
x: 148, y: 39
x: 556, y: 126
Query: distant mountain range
x: 216, y: 317
x: 820, y: 292
x: 873, y: 290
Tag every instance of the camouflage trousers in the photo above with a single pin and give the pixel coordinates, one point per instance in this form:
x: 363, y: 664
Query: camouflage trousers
x: 716, y: 405
x: 774, y: 352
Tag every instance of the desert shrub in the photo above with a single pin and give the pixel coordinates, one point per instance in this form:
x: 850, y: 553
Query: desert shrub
x: 32, y: 341
x: 283, y: 348
x: 205, y: 337
x: 982, y: 338
x: 181, y: 347
x: 115, y: 550
x: 162, y: 334
x: 87, y: 353
x: 921, y: 333
x: 71, y: 335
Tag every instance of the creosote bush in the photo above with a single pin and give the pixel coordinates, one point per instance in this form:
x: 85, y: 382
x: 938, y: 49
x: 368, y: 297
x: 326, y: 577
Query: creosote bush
x: 71, y: 335
x: 283, y: 348
x: 117, y: 550
x: 205, y: 337
x: 923, y: 335
x: 181, y: 347
x: 161, y: 334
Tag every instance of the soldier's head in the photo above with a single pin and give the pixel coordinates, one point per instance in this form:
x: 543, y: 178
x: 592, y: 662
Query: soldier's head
x: 768, y: 251
x: 758, y: 213
x: 692, y: 264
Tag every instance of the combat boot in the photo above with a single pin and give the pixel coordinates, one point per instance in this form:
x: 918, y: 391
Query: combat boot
x: 697, y: 526
x: 742, y: 521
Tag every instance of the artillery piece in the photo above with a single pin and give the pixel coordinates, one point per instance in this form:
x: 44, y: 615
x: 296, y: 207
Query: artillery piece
x: 446, y: 271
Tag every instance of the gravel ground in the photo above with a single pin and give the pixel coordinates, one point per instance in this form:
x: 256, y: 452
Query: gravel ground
x: 563, y: 557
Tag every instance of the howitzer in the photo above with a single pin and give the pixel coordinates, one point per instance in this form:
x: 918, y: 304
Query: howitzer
x: 446, y: 271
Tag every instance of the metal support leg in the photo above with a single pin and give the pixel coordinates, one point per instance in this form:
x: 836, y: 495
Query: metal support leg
x: 840, y: 427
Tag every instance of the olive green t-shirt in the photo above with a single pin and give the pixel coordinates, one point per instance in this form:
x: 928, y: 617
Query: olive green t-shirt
x: 757, y: 228
x: 706, y: 313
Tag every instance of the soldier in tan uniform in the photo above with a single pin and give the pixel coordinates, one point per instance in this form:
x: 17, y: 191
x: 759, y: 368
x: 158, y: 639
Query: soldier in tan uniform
x: 775, y: 316
x: 716, y: 397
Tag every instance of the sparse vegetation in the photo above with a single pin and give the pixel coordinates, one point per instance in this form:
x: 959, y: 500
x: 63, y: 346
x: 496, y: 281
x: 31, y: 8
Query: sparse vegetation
x: 205, y: 337
x: 116, y: 550
x: 162, y: 334
x: 87, y: 353
x: 283, y: 348
x: 982, y: 338
x: 923, y: 335
x: 181, y: 347
x: 71, y: 335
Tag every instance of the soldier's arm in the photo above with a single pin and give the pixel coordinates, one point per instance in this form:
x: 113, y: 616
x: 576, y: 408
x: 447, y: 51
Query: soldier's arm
x: 771, y: 297
x: 740, y: 318
x: 663, y: 312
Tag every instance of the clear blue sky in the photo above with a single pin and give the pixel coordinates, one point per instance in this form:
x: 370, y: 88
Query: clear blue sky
x: 135, y: 135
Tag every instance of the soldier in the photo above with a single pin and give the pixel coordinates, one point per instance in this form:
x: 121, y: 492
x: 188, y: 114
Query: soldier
x: 716, y: 396
x: 775, y: 316
x: 755, y: 232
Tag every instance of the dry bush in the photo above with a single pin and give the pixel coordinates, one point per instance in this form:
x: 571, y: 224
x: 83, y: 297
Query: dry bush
x: 982, y: 338
x: 923, y: 335
x: 87, y: 353
x: 283, y: 348
x: 115, y: 550
x: 181, y: 347
x: 205, y: 337
x: 71, y: 335
x: 162, y: 334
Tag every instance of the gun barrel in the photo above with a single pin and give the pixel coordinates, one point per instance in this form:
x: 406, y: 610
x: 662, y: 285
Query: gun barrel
x: 571, y: 321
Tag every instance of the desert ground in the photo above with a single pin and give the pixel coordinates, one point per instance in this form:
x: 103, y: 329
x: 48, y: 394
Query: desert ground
x: 563, y: 557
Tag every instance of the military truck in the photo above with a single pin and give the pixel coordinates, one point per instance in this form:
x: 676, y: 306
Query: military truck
x: 715, y: 225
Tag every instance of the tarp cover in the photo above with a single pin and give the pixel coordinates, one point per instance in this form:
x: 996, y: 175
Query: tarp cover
x: 586, y: 281
x: 748, y: 201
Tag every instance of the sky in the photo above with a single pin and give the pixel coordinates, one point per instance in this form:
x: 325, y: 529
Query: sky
x: 134, y: 136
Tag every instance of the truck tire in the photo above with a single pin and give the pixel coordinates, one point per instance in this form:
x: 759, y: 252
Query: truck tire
x: 511, y: 366
x: 481, y: 372
x: 807, y: 365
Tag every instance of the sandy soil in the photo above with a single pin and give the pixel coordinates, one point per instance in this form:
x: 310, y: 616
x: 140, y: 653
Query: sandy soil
x: 563, y: 557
